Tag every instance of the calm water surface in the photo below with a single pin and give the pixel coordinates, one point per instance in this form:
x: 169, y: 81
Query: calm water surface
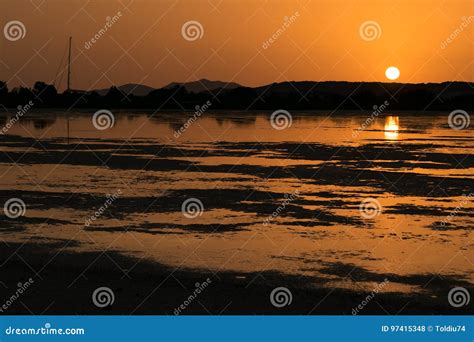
x: 243, y: 170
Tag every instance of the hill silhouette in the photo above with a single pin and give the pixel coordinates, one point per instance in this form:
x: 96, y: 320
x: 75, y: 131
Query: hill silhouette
x: 129, y: 89
x: 306, y: 95
x: 203, y: 85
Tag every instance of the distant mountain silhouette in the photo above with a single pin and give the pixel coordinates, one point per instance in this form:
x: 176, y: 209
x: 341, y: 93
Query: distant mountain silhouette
x: 129, y: 89
x: 305, y: 95
x: 191, y: 87
x: 203, y: 85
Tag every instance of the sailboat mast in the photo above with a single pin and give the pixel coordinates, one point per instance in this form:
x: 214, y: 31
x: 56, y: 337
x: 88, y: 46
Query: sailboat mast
x: 69, y: 66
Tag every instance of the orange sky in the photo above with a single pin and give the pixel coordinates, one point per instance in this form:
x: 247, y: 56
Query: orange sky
x: 146, y: 45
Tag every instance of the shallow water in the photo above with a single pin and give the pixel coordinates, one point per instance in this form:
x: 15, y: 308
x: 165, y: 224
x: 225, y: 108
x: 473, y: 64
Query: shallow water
x: 313, y: 175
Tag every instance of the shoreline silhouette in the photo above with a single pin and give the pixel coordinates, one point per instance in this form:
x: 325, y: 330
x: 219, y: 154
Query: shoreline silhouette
x: 306, y: 95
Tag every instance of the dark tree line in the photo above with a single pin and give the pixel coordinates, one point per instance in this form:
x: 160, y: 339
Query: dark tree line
x: 287, y: 95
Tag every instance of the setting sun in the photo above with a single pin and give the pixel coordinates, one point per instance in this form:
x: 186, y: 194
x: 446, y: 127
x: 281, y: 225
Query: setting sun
x: 392, y: 73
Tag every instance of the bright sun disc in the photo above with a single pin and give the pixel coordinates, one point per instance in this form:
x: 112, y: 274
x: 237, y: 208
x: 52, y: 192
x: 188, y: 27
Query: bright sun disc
x: 392, y: 73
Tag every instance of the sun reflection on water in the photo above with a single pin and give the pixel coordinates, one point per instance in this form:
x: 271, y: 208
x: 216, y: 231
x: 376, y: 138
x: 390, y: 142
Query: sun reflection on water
x: 391, y: 127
